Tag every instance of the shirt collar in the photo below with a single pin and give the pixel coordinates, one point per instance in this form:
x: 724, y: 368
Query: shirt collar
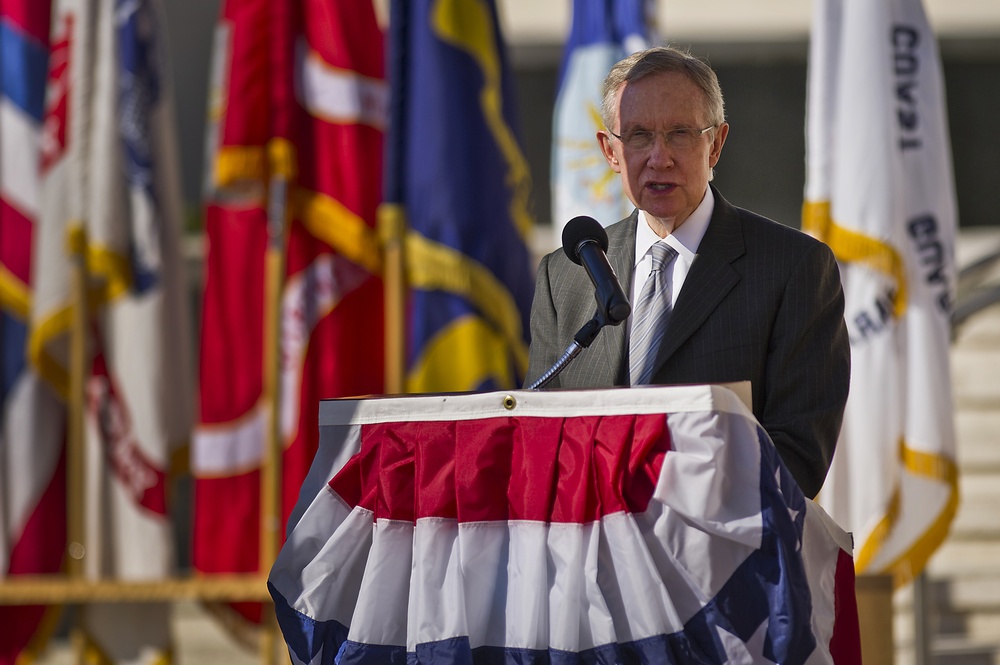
x: 685, y: 239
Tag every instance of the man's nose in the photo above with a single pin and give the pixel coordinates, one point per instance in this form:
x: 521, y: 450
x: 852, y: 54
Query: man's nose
x: 661, y: 152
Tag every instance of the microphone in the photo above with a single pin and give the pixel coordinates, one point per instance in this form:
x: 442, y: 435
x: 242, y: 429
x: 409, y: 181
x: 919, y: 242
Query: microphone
x: 586, y: 242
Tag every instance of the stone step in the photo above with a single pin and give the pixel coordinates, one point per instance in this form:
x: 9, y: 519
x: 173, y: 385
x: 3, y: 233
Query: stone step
x: 977, y: 509
x: 974, y: 378
x: 957, y: 558
x: 978, y: 443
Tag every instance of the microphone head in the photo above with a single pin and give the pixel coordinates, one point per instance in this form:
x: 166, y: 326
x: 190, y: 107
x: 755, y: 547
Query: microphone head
x: 580, y: 230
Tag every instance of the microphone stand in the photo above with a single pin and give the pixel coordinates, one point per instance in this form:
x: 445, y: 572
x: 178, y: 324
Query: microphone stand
x: 581, y: 340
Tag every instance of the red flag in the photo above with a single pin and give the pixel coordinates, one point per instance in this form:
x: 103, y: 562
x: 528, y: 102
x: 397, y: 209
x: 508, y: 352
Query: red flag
x: 298, y: 95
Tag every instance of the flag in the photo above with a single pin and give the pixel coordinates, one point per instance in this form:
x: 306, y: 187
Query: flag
x: 298, y: 97
x: 110, y: 190
x: 602, y: 33
x: 457, y: 174
x: 32, y: 418
x: 654, y: 526
x: 880, y: 192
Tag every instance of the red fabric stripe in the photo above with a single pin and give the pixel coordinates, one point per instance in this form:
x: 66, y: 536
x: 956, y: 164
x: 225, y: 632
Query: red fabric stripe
x: 226, y: 524
x: 15, y: 242
x: 573, y: 470
x: 247, y: 104
x: 39, y: 550
x: 331, y: 25
x: 232, y: 343
x: 845, y: 645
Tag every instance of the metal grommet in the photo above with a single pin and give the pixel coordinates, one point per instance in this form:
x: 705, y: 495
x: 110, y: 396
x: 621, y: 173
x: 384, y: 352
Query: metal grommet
x: 509, y: 402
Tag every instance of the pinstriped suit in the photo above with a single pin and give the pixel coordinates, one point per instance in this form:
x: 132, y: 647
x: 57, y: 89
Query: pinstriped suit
x: 762, y: 302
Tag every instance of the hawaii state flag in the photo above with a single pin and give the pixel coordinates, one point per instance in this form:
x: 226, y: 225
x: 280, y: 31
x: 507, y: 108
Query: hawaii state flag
x: 110, y: 191
x: 458, y: 180
x: 655, y: 525
x: 602, y: 33
x: 880, y: 192
x: 298, y: 99
x: 32, y: 417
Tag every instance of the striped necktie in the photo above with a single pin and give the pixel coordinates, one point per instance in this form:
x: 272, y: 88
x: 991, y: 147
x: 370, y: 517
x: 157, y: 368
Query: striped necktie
x: 652, y: 311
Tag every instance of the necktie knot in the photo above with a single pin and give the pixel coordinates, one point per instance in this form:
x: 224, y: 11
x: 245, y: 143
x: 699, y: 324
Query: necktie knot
x: 661, y: 254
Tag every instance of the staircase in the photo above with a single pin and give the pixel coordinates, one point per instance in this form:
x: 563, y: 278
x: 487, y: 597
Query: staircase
x: 963, y: 578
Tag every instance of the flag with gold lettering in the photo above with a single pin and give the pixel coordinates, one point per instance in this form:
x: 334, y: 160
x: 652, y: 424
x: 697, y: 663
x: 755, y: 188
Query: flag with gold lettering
x: 880, y: 192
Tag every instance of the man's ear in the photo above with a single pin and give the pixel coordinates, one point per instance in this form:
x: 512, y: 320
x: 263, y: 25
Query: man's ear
x: 604, y: 140
x: 718, y: 141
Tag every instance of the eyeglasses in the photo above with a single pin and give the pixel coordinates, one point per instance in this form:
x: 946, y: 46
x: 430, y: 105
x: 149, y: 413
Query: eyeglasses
x: 682, y: 138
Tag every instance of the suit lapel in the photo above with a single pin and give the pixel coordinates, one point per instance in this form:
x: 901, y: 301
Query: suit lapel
x: 621, y: 256
x: 710, y: 279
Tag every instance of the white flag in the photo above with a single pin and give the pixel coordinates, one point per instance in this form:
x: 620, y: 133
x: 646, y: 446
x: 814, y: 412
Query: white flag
x: 880, y: 192
x: 110, y: 188
x: 603, y: 32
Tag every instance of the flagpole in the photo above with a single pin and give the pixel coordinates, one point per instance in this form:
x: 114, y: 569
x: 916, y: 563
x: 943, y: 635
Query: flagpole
x: 392, y: 212
x: 75, y: 439
x: 392, y: 231
x: 921, y: 638
x: 281, y: 160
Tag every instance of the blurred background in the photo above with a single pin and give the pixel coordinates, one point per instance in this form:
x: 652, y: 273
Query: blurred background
x: 759, y: 49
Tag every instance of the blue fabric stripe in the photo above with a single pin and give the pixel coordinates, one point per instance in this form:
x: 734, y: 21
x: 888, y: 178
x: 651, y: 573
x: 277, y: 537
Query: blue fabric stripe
x: 138, y: 96
x: 24, y: 67
x: 13, y: 335
x: 304, y: 635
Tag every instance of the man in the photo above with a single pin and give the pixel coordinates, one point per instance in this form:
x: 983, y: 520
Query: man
x: 740, y: 297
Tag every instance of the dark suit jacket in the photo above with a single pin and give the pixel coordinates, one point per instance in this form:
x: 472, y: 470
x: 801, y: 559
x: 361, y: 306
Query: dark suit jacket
x: 762, y: 302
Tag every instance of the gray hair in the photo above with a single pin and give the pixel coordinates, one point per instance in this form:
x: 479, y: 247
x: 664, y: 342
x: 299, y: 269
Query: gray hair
x: 660, y: 60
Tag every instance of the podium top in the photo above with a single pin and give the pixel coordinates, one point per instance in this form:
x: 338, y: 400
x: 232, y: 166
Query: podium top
x: 727, y: 397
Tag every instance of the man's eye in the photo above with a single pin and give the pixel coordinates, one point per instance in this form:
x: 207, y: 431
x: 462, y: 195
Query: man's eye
x: 682, y: 133
x: 641, y: 135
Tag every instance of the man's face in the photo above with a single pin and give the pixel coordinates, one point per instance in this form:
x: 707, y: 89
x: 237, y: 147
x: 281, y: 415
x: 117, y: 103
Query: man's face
x: 667, y: 182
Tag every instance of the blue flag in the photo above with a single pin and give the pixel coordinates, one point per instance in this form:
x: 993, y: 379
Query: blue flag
x: 457, y: 172
x: 603, y: 32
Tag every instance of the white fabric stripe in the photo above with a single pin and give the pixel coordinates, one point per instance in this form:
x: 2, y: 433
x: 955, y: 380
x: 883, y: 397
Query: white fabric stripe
x: 560, y: 404
x: 339, y: 95
x: 336, y: 446
x: 321, y: 575
x: 425, y: 583
x: 821, y: 541
x: 31, y: 440
x: 381, y: 614
x: 712, y: 475
x: 19, y: 150
x: 224, y: 450
x: 431, y: 582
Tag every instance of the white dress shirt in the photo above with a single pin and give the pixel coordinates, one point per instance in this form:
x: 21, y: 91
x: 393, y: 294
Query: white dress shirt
x: 685, y: 239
